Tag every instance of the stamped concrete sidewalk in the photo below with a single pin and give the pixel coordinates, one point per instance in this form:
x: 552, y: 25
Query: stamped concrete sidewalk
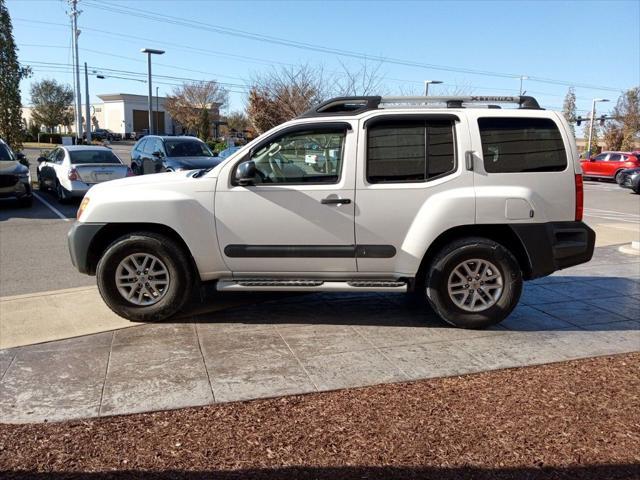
x: 306, y: 343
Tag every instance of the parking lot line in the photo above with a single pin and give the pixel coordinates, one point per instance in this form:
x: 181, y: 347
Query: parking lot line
x: 51, y: 207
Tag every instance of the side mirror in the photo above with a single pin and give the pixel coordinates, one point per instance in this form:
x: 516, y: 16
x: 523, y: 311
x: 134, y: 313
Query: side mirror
x: 42, y: 159
x: 158, y: 154
x: 216, y: 154
x: 245, y: 173
x: 22, y: 159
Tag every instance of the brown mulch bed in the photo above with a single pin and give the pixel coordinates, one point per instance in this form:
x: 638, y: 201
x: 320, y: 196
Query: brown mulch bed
x: 573, y: 420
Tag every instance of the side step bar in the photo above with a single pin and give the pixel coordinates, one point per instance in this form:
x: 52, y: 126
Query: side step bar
x: 273, y: 285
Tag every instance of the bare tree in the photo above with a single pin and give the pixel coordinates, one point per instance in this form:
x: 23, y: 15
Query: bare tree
x: 192, y: 105
x: 283, y: 94
x: 237, y: 121
x: 362, y: 81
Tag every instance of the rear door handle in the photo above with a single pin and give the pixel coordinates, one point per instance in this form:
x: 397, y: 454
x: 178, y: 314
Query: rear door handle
x: 335, y: 201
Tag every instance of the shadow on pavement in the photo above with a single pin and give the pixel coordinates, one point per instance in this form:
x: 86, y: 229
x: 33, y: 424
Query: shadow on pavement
x: 570, y: 303
x: 590, y: 472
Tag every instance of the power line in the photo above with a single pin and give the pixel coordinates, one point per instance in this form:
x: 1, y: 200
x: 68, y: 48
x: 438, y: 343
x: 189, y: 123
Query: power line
x: 113, y: 8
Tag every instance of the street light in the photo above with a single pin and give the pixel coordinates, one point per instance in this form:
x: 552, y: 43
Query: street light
x: 149, y: 52
x: 593, y: 117
x: 522, y: 77
x: 429, y: 82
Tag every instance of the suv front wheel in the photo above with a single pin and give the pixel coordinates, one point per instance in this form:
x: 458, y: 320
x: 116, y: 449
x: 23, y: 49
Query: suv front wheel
x: 144, y: 276
x: 474, y: 283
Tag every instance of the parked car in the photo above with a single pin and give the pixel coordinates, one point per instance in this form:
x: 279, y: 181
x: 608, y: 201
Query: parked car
x: 425, y: 194
x: 103, y: 134
x: 71, y: 171
x: 609, y: 165
x: 630, y: 178
x: 154, y: 154
x: 15, y: 179
x: 227, y: 152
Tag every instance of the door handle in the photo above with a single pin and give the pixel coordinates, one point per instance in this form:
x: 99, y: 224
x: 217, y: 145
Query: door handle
x: 335, y: 201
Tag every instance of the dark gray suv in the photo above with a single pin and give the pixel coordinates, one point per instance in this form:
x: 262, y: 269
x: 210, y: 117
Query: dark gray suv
x: 154, y: 154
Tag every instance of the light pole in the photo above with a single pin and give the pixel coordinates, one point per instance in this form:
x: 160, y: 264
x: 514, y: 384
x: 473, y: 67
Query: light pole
x: 522, y: 78
x: 149, y: 52
x: 87, y: 106
x: 593, y: 117
x: 157, y: 112
x: 429, y: 82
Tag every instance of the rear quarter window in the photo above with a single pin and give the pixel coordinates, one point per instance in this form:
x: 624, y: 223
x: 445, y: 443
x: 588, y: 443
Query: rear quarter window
x: 520, y: 145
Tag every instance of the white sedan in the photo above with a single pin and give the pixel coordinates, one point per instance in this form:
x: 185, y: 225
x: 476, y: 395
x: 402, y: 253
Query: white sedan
x: 71, y: 171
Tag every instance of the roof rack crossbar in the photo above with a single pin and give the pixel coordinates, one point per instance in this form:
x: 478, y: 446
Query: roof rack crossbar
x: 344, y: 106
x: 354, y: 105
x: 523, y: 101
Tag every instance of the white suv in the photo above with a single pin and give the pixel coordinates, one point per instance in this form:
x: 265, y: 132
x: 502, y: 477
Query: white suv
x: 453, y: 198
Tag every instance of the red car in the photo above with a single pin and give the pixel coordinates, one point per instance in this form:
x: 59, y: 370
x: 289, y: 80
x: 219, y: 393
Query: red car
x: 609, y: 164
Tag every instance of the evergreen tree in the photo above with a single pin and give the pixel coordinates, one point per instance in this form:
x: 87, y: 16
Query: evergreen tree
x: 11, y: 127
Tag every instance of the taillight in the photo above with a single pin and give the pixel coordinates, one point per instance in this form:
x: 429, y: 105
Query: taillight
x: 579, y: 197
x: 130, y: 172
x: 73, y: 175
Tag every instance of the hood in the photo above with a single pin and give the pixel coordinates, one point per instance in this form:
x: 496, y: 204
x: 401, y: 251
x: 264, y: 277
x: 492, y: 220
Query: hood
x: 192, y: 163
x: 12, y: 167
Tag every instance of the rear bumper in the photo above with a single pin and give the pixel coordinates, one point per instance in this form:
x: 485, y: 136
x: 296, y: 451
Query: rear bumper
x: 79, y: 240
x: 555, y: 245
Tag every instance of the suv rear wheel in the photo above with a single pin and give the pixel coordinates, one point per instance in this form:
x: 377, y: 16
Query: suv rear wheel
x: 145, y: 276
x: 474, y: 283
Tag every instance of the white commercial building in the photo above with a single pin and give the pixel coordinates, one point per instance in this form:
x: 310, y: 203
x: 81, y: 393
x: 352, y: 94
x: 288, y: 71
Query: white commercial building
x: 127, y: 113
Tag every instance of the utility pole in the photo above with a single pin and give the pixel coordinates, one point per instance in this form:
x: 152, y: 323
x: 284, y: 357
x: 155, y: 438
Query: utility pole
x: 157, y: 113
x: 593, y: 117
x: 76, y: 65
x: 88, y: 107
x: 522, y: 78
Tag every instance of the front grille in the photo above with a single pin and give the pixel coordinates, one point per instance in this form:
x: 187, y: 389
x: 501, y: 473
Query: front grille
x: 8, y: 180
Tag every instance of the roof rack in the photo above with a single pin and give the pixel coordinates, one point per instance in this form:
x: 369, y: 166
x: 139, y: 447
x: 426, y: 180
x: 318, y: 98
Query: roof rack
x: 355, y: 105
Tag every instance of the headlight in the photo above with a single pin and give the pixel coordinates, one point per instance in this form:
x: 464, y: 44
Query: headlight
x: 81, y: 208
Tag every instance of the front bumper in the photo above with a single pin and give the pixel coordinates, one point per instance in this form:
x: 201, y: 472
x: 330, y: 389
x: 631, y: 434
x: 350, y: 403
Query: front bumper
x: 79, y: 239
x: 555, y: 245
x: 13, y: 186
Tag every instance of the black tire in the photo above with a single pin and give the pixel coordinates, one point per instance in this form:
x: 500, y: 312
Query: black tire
x: 440, y: 269
x: 165, y: 249
x: 61, y: 194
x: 41, y: 186
x: 135, y: 169
x: 617, y: 178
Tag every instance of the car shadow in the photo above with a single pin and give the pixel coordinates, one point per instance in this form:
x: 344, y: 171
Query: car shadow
x: 580, y: 303
x: 577, y: 472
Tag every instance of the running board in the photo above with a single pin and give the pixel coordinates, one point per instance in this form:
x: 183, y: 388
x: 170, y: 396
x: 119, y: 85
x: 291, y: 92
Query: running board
x: 272, y: 285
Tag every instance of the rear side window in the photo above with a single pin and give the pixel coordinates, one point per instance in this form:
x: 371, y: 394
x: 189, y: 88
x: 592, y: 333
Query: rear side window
x: 409, y: 151
x: 515, y: 145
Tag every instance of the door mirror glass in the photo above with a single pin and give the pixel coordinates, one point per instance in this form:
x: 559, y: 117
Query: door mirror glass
x: 157, y: 154
x: 246, y: 173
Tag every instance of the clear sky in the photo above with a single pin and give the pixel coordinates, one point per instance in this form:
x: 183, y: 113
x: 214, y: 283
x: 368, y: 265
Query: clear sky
x: 480, y: 47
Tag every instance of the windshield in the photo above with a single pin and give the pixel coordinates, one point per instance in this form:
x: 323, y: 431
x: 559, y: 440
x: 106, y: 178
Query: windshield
x: 6, y: 155
x: 187, y: 148
x: 93, y: 156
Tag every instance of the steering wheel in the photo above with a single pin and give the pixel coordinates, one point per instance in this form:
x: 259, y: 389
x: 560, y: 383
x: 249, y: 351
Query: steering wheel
x: 274, y: 154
